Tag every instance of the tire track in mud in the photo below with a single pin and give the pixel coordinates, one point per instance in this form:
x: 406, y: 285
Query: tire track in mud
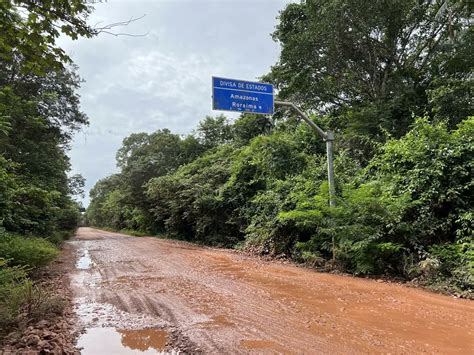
x: 218, y: 301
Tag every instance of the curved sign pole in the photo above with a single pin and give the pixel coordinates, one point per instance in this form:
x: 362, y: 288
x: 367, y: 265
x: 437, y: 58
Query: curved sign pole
x: 328, y: 137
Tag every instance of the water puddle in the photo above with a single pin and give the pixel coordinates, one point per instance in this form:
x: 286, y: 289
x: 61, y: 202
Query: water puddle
x: 84, y: 261
x: 122, y: 341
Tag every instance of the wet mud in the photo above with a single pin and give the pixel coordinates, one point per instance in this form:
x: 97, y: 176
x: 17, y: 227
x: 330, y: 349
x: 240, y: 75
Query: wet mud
x: 150, y: 295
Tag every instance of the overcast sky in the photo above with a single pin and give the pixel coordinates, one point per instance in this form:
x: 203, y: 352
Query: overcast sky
x: 163, y: 79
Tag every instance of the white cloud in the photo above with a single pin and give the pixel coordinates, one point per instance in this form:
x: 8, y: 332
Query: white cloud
x: 163, y: 80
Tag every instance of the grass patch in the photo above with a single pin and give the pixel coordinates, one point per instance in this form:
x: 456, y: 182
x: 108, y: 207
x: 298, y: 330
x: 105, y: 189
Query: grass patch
x: 22, y: 301
x: 14, y: 282
x: 30, y: 252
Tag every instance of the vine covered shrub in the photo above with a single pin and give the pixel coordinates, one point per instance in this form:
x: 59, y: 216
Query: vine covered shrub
x: 434, y: 166
x: 361, y: 232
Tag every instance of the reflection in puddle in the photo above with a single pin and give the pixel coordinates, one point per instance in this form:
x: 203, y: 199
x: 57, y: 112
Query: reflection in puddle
x: 84, y: 261
x: 143, y: 339
x: 115, y: 341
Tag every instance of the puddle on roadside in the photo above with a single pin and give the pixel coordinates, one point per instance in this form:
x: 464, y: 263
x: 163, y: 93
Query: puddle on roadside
x: 84, y: 261
x: 123, y: 341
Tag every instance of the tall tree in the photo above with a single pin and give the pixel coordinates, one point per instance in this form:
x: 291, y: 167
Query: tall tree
x: 39, y: 111
x: 213, y: 131
x: 371, y: 64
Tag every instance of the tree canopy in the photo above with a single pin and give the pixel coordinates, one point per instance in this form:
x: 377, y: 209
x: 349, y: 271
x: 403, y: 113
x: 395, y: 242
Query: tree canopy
x: 373, y: 65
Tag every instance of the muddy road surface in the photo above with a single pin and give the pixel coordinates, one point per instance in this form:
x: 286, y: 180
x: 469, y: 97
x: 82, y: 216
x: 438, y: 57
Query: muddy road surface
x: 147, y: 295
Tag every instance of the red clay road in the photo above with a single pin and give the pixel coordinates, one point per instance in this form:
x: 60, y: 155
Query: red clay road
x: 223, y: 302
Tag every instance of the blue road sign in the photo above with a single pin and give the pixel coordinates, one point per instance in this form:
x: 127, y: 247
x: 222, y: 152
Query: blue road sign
x: 242, y: 96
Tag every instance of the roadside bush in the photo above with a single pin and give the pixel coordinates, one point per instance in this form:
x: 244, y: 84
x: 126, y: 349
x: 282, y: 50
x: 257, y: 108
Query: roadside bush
x: 454, y: 265
x: 406, y: 214
x: 266, y: 233
x: 190, y: 203
x: 68, y: 217
x: 25, y: 251
x: 361, y: 232
x: 434, y: 167
x: 60, y: 236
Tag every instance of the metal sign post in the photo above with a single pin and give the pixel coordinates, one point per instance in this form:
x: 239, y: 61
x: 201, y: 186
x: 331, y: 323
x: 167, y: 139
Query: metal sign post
x: 328, y: 137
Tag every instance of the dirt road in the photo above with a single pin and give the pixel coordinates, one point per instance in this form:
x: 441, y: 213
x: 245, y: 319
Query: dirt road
x: 147, y: 294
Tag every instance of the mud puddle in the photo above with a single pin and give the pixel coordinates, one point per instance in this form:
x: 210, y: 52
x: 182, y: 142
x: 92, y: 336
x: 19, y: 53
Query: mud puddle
x: 85, y: 261
x: 122, y: 341
x: 111, y: 329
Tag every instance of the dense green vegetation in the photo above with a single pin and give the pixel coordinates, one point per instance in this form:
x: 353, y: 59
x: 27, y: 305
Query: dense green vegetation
x: 393, y: 80
x: 39, y: 112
